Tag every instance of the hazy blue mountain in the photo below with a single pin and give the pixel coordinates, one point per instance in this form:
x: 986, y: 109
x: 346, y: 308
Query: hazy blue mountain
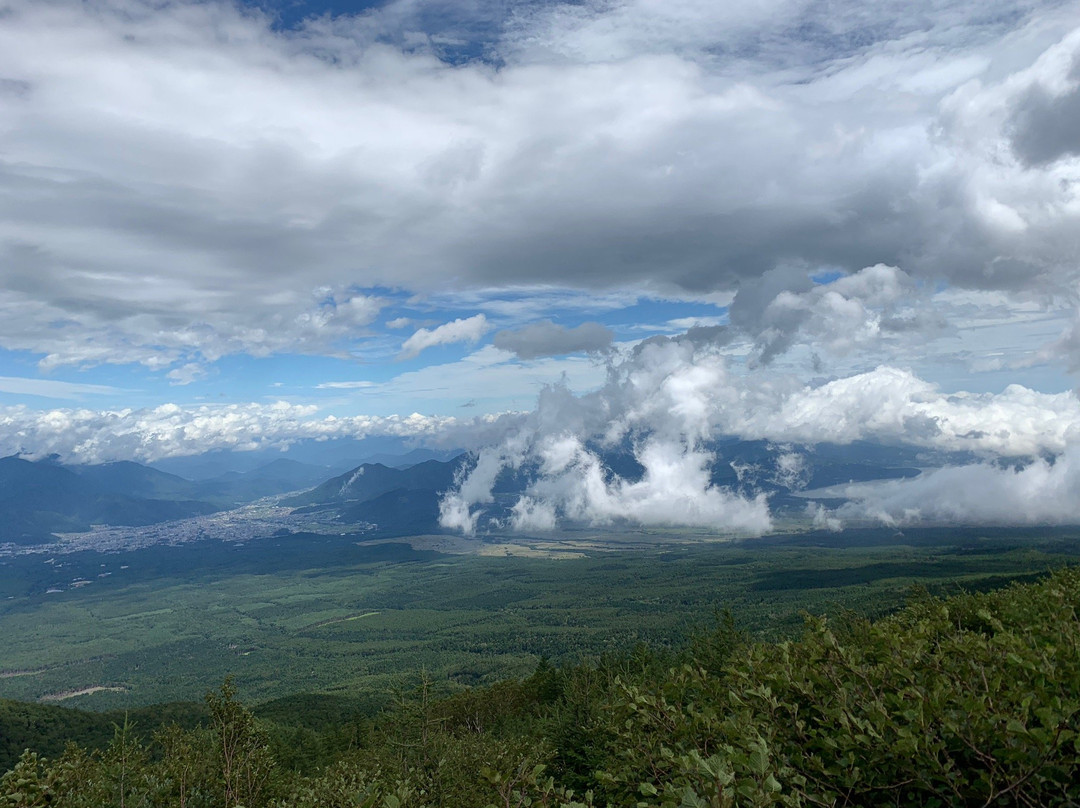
x: 370, y: 480
x: 209, y: 465
x: 38, y: 499
x: 277, y: 477
x: 133, y: 479
x: 411, y: 458
x: 753, y: 465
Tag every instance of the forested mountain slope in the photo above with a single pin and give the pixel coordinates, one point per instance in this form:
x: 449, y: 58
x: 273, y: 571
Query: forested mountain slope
x: 42, y: 498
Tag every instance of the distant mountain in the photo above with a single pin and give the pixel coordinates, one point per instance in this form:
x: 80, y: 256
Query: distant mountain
x: 371, y: 480
x: 400, y: 512
x: 336, y: 455
x: 752, y: 465
x: 402, y: 461
x: 133, y: 479
x: 231, y: 488
x: 277, y: 477
x: 38, y: 499
x: 405, y: 500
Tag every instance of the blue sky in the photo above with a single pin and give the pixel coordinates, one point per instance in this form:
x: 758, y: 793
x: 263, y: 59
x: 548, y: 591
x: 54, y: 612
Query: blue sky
x: 237, y: 226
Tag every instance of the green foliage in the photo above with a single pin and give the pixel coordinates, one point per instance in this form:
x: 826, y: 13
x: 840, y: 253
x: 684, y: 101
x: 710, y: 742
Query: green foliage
x: 48, y: 729
x: 27, y: 785
x: 974, y: 700
x: 971, y: 700
x: 291, y: 614
x: 242, y: 749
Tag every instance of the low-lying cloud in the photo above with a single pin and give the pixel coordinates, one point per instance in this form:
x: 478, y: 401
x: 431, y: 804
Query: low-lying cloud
x: 1040, y: 492
x: 667, y: 399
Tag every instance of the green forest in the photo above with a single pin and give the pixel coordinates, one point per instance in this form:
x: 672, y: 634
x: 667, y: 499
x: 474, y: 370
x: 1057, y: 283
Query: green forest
x: 287, y: 616
x: 972, y: 699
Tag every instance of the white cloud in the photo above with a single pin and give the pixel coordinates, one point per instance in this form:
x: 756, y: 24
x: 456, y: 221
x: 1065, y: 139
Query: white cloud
x: 186, y: 374
x: 353, y: 385
x: 894, y: 406
x: 1039, y: 493
x: 854, y: 311
x: 89, y: 436
x: 667, y: 398
x: 674, y: 490
x: 468, y: 329
x: 51, y: 388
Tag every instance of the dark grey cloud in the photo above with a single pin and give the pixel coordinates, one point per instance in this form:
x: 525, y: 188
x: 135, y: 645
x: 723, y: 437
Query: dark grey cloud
x: 1046, y: 127
x: 550, y: 339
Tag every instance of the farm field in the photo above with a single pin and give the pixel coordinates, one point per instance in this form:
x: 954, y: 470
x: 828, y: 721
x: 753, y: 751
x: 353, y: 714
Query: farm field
x: 310, y: 614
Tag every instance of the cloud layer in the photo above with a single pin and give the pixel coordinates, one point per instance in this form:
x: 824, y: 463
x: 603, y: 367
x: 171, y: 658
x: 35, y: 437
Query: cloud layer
x: 467, y: 329
x: 182, y: 180
x: 89, y: 436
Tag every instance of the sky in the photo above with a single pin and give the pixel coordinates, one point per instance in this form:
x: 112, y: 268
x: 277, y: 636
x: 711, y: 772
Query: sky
x: 530, y: 225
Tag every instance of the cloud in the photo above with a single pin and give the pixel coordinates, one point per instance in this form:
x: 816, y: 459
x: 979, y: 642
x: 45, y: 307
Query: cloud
x: 353, y: 385
x: 675, y: 489
x: 893, y: 406
x: 853, y: 311
x: 1043, y: 492
x: 51, y: 388
x: 666, y: 400
x: 468, y: 329
x: 89, y: 436
x: 202, y: 177
x: 1045, y: 126
x: 186, y: 374
x: 660, y: 400
x: 548, y: 339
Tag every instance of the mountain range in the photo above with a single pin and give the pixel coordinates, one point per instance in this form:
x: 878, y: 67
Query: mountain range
x: 396, y: 497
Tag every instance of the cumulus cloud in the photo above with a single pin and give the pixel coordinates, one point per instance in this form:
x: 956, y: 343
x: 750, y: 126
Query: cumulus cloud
x: 894, y: 406
x: 661, y: 401
x: 549, y: 339
x: 468, y: 329
x: 853, y: 311
x: 667, y: 400
x: 91, y: 436
x: 186, y: 374
x: 1045, y: 124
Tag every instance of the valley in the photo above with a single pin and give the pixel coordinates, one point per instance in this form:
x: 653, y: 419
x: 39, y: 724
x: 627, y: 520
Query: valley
x: 348, y: 614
